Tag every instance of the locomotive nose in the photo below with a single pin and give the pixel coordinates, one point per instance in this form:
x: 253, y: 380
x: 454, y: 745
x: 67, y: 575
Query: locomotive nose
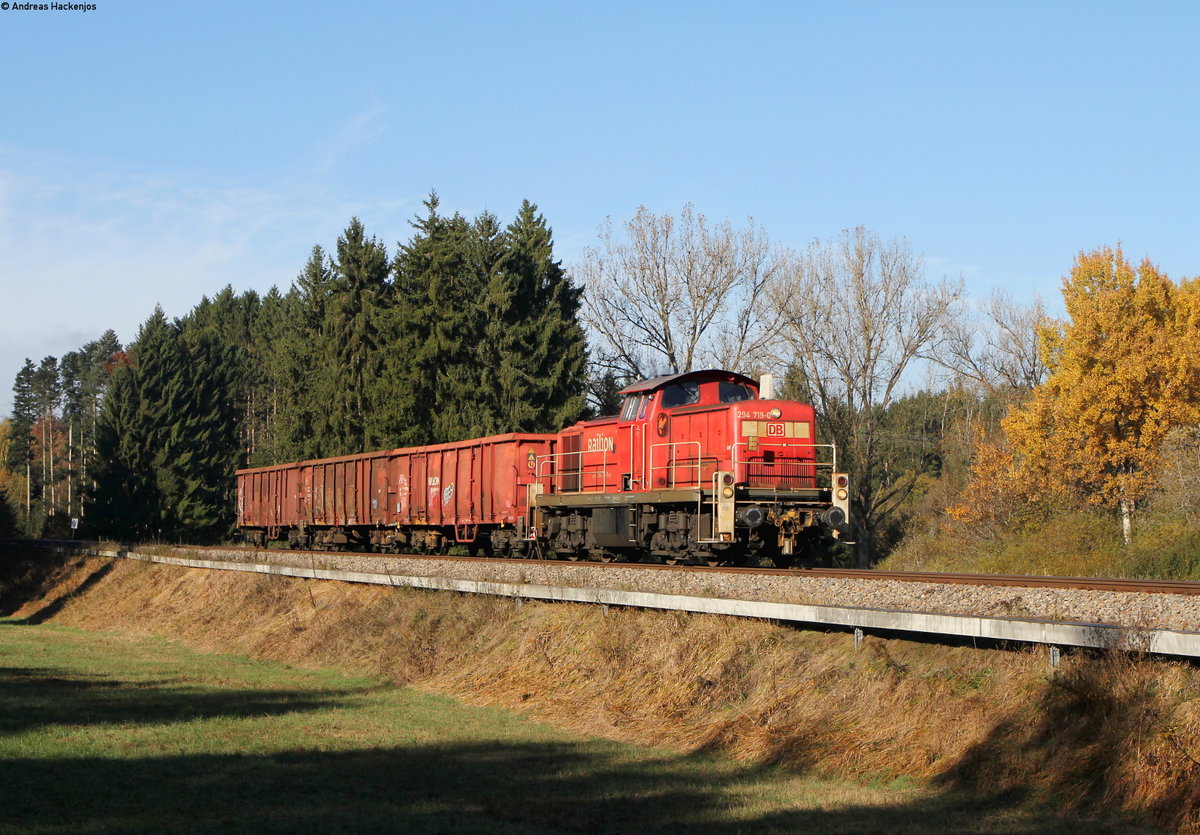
x: 751, y: 516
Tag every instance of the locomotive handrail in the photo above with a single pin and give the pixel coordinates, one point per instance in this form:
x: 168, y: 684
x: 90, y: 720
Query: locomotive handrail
x: 547, y: 470
x: 816, y: 465
x: 670, y: 468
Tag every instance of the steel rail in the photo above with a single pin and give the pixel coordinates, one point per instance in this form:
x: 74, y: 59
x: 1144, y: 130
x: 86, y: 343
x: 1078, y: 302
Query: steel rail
x: 1116, y: 584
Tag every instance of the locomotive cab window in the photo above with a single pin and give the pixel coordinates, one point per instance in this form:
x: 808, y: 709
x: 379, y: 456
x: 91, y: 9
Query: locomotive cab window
x: 635, y: 406
x: 680, y: 394
x: 734, y: 392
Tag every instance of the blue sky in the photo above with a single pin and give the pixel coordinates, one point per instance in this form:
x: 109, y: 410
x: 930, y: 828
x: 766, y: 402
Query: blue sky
x: 151, y: 153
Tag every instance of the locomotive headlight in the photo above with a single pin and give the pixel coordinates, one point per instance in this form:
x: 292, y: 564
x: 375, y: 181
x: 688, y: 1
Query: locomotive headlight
x: 774, y: 413
x: 727, y: 492
x: 842, y: 494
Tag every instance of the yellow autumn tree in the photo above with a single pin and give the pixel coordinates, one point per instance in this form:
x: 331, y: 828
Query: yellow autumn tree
x: 1122, y: 374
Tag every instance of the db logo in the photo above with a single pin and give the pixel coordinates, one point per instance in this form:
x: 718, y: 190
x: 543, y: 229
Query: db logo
x: 775, y: 429
x: 662, y: 424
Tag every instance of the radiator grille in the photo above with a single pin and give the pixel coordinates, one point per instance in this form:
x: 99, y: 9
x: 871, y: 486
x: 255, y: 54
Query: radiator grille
x: 782, y: 474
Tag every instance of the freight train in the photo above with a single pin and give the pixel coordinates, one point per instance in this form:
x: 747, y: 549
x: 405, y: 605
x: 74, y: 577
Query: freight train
x: 696, y: 468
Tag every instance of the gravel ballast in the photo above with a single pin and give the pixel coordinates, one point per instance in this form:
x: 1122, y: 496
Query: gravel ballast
x: 1126, y: 609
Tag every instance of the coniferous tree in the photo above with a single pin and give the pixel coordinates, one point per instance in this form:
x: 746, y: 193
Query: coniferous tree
x: 538, y: 346
x: 419, y: 337
x: 467, y: 370
x: 120, y: 498
x: 167, y: 438
x: 301, y: 368
x: 71, y: 371
x: 230, y: 320
x: 24, y: 414
x: 359, y: 288
x: 271, y: 327
x: 202, y: 448
x: 48, y: 396
x: 98, y: 359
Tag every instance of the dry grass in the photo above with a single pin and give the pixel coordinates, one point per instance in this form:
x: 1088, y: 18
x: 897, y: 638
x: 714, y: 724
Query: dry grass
x: 1067, y: 544
x: 1101, y: 736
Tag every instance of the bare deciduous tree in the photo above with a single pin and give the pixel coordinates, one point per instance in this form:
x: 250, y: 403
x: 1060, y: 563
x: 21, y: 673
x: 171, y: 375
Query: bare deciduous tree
x: 856, y: 313
x: 1001, y: 359
x: 675, y: 293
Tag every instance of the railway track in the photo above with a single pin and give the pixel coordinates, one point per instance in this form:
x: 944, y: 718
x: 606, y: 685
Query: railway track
x: 1186, y: 587
x: 1180, y: 587
x: 1158, y: 617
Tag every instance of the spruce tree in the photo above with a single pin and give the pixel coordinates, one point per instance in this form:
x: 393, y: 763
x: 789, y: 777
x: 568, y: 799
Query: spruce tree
x: 421, y: 332
x: 120, y: 498
x: 167, y: 438
x: 300, y: 368
x: 202, y: 447
x: 360, y: 287
x: 47, y: 395
x: 24, y: 413
x: 537, y: 346
x: 271, y: 328
x: 467, y: 368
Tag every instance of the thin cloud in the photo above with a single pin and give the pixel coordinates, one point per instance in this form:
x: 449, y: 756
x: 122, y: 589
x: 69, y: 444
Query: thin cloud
x: 360, y: 130
x: 84, y: 249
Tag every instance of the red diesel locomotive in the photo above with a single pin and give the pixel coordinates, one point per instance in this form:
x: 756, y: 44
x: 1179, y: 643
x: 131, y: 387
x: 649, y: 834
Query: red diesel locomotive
x: 695, y: 468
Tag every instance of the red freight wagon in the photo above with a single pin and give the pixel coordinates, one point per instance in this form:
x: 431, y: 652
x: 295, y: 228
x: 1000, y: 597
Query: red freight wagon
x: 470, y: 492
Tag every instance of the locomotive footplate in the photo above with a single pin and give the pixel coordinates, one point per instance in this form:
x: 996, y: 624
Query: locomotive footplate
x: 619, y: 499
x: 815, y: 496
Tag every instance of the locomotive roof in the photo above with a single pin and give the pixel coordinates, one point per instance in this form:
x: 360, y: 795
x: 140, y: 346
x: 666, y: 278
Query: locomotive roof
x: 700, y: 376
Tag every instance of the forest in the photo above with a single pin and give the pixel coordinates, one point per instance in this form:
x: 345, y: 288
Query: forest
x: 978, y: 435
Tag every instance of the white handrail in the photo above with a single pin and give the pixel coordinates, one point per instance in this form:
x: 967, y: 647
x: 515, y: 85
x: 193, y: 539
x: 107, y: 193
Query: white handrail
x: 548, y: 470
x: 816, y: 465
x: 670, y: 468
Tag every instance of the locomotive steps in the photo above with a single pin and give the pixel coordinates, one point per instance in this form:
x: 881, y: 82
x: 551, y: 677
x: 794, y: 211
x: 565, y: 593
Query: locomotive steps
x: 1101, y: 734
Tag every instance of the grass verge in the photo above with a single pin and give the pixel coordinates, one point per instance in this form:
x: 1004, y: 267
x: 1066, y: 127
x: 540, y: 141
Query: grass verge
x: 102, y: 733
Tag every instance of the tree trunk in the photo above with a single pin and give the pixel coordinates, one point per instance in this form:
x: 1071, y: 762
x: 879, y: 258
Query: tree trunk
x: 1127, y: 521
x: 862, y: 546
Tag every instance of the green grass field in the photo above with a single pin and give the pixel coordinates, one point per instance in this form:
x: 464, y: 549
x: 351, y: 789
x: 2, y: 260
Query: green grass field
x: 105, y: 733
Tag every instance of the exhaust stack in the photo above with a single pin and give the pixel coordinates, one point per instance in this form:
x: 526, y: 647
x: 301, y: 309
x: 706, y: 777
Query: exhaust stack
x: 766, y: 387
